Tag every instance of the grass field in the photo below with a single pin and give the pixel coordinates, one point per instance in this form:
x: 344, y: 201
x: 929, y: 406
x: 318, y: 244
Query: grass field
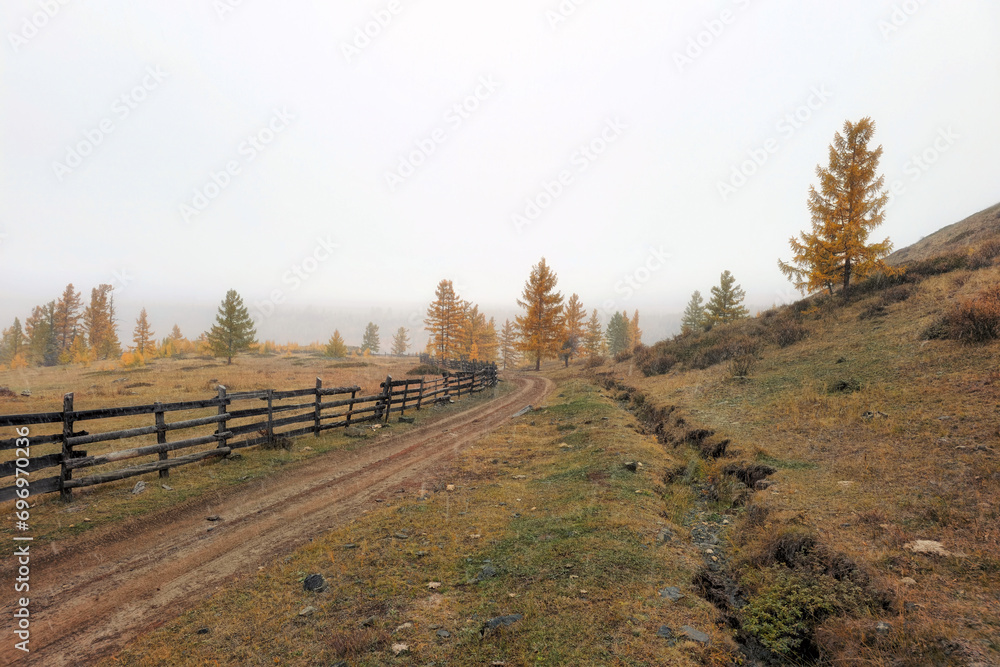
x: 166, y: 380
x: 544, y: 521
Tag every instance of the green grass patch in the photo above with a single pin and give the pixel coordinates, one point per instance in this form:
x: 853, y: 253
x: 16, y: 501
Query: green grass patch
x: 784, y: 464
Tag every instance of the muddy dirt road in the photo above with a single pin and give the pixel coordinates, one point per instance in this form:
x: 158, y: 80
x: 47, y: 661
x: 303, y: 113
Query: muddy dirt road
x: 92, y: 594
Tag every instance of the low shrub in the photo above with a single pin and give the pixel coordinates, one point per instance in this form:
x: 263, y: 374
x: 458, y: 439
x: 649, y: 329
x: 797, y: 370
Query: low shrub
x: 624, y: 355
x: 795, y: 583
x: 976, y: 320
x: 937, y: 330
x: 741, y: 366
x: 847, y: 386
x: 879, y: 281
x: 897, y: 294
x: 784, y: 614
x: 872, y: 311
x: 934, y: 266
x: 787, y: 332
x: 984, y: 255
x: 654, y: 360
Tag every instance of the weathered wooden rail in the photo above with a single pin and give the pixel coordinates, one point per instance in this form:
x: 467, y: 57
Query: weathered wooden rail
x: 271, y: 423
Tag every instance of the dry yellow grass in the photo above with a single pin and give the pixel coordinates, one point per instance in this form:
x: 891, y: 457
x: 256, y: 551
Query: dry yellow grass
x: 166, y: 380
x: 913, y: 455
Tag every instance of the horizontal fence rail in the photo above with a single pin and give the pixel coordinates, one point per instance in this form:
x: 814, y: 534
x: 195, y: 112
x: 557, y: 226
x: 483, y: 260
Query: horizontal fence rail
x: 262, y: 413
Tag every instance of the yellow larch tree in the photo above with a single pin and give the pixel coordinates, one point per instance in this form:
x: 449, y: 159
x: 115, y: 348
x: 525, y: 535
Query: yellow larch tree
x: 444, y: 322
x: 142, y: 335
x: 541, y: 326
x: 596, y: 344
x: 508, y: 344
x: 848, y: 205
x: 573, y: 330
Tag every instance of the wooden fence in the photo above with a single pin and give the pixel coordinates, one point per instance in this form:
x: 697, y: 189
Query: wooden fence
x: 327, y: 408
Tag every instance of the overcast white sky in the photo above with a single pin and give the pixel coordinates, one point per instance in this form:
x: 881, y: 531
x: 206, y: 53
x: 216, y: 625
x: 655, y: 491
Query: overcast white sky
x: 115, y: 115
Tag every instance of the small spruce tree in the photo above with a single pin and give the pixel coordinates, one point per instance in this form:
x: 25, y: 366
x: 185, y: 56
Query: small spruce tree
x: 233, y: 331
x: 726, y: 304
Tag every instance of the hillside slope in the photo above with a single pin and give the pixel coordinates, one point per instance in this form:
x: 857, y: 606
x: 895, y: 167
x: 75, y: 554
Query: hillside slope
x: 875, y: 538
x: 970, y: 232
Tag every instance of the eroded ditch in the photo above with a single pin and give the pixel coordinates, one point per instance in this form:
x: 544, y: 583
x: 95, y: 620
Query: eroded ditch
x: 795, y: 581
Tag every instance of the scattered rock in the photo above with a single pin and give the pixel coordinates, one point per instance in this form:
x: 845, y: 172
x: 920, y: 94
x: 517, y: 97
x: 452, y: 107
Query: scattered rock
x: 314, y: 582
x: 520, y: 477
x: 443, y: 634
x: 368, y: 622
x: 404, y: 626
x: 350, y: 546
x: 407, y: 420
x: 908, y: 581
x: 434, y: 585
x: 671, y: 593
x: 664, y: 535
x: 883, y: 628
x: 401, y: 535
x: 845, y: 484
x: 695, y: 635
x: 167, y: 488
x: 139, y: 487
x: 203, y: 631
x: 664, y: 632
x: 26, y: 393
x: 450, y: 487
x: 929, y: 547
x: 214, y: 517
x: 488, y: 572
x: 523, y: 411
x: 845, y: 386
x: 499, y: 622
x: 400, y: 648
x: 632, y: 466
x: 307, y: 611
x: 304, y: 449
x: 355, y: 432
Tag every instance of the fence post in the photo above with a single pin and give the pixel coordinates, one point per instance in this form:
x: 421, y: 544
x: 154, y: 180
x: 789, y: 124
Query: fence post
x: 406, y: 392
x: 447, y: 388
x: 161, y: 435
x: 270, y: 416
x: 66, y: 474
x: 221, y: 428
x: 388, y: 397
x: 420, y: 396
x: 319, y: 385
x: 350, y: 408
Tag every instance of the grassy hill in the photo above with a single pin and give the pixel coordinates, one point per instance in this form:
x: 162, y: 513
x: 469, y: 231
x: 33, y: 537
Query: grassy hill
x: 974, y: 230
x: 859, y: 443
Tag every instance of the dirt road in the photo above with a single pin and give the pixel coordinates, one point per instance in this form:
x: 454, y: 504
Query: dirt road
x: 92, y: 594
